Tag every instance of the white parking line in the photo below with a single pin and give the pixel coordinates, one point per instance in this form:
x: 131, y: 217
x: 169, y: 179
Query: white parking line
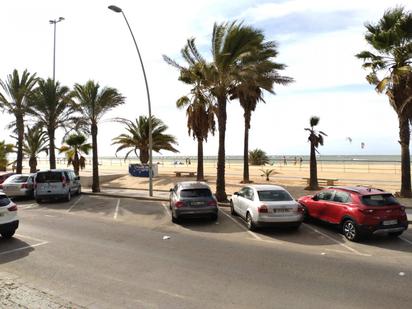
x: 75, y: 203
x: 29, y: 206
x: 242, y: 226
x: 30, y: 237
x: 117, y: 209
x: 165, y: 206
x: 336, y: 241
x: 24, y: 248
x: 406, y: 240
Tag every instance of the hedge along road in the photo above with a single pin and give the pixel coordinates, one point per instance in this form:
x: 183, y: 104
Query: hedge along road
x: 93, y: 256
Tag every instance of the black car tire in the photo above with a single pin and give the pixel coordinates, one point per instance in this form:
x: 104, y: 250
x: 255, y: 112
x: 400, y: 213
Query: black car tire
x: 395, y: 234
x: 214, y: 217
x: 232, y: 209
x: 79, y: 190
x: 351, y: 231
x: 306, y: 216
x: 249, y: 222
x: 8, y: 234
x: 175, y: 219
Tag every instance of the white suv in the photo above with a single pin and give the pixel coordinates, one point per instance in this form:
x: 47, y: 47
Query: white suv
x: 9, y: 222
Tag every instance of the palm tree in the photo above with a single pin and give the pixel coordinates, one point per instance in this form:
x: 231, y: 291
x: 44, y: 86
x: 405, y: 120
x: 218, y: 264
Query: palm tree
x: 232, y: 45
x: 262, y: 74
x: 198, y: 104
x: 137, y: 137
x: 391, y: 40
x: 94, y: 103
x: 316, y: 139
x: 76, y: 146
x: 17, y: 90
x: 35, y: 142
x: 52, y: 107
x: 258, y: 157
x: 5, y: 149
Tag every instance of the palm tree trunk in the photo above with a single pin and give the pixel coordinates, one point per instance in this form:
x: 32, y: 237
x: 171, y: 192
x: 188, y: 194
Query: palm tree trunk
x: 220, y: 179
x: 404, y: 136
x: 200, y: 175
x: 76, y: 163
x: 246, y: 148
x: 20, y: 137
x: 144, y: 156
x: 95, y: 184
x: 313, y: 181
x: 33, y: 164
x: 52, y: 149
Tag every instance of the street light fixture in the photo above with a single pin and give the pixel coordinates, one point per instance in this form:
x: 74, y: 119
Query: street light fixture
x: 54, y: 22
x: 119, y: 10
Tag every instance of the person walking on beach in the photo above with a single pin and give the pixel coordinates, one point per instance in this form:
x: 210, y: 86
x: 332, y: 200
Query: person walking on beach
x: 284, y: 161
x: 300, y: 161
x: 296, y: 161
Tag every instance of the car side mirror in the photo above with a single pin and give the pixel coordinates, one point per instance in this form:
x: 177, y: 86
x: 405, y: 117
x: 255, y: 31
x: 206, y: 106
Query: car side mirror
x: 77, y: 178
x: 236, y: 193
x: 171, y: 190
x: 315, y: 197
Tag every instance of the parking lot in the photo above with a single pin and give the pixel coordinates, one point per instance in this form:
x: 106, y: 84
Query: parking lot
x: 83, y: 241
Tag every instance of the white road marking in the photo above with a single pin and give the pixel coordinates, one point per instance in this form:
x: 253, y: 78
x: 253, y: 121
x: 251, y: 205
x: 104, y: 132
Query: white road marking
x: 117, y: 209
x: 171, y: 294
x: 24, y: 248
x: 402, y: 274
x: 165, y: 206
x: 29, y: 206
x: 75, y: 203
x: 242, y: 226
x: 30, y: 237
x: 405, y: 240
x: 336, y: 241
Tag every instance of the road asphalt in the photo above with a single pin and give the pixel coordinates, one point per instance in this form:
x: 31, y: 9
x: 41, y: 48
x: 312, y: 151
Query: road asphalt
x: 103, y: 252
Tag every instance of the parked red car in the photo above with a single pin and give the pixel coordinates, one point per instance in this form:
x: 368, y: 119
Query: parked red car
x: 361, y: 211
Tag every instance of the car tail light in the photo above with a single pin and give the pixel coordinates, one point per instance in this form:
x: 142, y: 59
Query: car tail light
x: 24, y: 186
x: 301, y: 209
x: 13, y: 208
x: 1, y: 186
x: 366, y: 211
x: 63, y: 179
x: 263, y: 209
x: 179, y: 204
x: 211, y: 203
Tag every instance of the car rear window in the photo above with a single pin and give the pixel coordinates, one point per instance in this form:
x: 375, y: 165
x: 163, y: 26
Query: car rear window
x: 196, y: 193
x: 379, y: 200
x: 274, y: 196
x: 17, y: 179
x: 4, y: 200
x: 48, y: 177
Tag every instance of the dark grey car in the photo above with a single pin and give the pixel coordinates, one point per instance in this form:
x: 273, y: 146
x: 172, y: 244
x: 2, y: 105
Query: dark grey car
x: 192, y: 199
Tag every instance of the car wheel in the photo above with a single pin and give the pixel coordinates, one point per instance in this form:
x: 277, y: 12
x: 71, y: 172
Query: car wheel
x: 306, y: 216
x: 395, y: 234
x: 175, y: 219
x: 294, y: 227
x: 214, y: 217
x: 232, y: 209
x: 351, y: 230
x: 39, y: 200
x: 170, y: 204
x: 249, y: 222
x: 79, y: 190
x: 68, y: 196
x: 8, y: 234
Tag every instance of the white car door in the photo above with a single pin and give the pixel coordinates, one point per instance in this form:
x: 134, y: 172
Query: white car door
x: 239, y: 202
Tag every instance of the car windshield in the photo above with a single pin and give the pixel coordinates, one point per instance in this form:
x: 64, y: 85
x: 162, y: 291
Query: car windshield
x: 4, y: 200
x: 274, y: 196
x: 196, y: 193
x: 48, y: 177
x: 17, y: 179
x: 379, y: 200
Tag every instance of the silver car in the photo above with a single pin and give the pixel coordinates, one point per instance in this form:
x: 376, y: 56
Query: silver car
x: 266, y: 205
x: 56, y: 184
x: 19, y: 185
x: 192, y: 199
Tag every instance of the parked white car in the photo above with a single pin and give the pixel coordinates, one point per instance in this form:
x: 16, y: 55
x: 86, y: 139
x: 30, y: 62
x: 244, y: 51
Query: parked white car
x: 266, y: 205
x: 19, y: 185
x: 9, y: 221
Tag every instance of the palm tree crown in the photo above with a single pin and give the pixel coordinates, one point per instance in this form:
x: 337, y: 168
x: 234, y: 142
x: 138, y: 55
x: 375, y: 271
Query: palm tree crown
x: 35, y: 142
x: 137, y: 137
x: 74, y: 149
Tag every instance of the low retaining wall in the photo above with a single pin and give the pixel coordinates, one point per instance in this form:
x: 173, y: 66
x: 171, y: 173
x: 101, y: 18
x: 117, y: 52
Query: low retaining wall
x: 86, y: 181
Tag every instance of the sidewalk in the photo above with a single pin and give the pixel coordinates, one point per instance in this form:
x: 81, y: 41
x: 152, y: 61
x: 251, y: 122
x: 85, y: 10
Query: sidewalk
x: 130, y: 193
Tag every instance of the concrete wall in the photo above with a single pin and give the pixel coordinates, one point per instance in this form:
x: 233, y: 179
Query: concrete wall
x: 86, y: 181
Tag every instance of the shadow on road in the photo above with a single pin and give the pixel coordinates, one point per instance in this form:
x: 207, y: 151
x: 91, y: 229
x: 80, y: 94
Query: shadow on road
x: 13, y: 249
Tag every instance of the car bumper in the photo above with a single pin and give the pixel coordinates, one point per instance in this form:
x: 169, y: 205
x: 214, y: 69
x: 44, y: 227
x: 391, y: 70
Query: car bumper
x: 27, y: 193
x: 11, y: 226
x: 51, y: 196
x: 292, y: 219
x: 375, y: 229
x: 196, y: 212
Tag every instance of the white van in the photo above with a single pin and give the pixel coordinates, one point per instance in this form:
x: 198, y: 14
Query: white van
x: 56, y: 184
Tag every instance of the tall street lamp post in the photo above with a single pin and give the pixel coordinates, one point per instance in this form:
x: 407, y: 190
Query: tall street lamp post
x: 54, y: 22
x: 119, y: 10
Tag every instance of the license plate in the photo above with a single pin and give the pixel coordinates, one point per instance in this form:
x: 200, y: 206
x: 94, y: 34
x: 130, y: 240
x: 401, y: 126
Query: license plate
x: 1, y: 214
x: 390, y: 222
x: 197, y: 203
x: 281, y: 210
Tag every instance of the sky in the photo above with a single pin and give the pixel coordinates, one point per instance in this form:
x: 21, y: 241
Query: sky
x: 317, y: 40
